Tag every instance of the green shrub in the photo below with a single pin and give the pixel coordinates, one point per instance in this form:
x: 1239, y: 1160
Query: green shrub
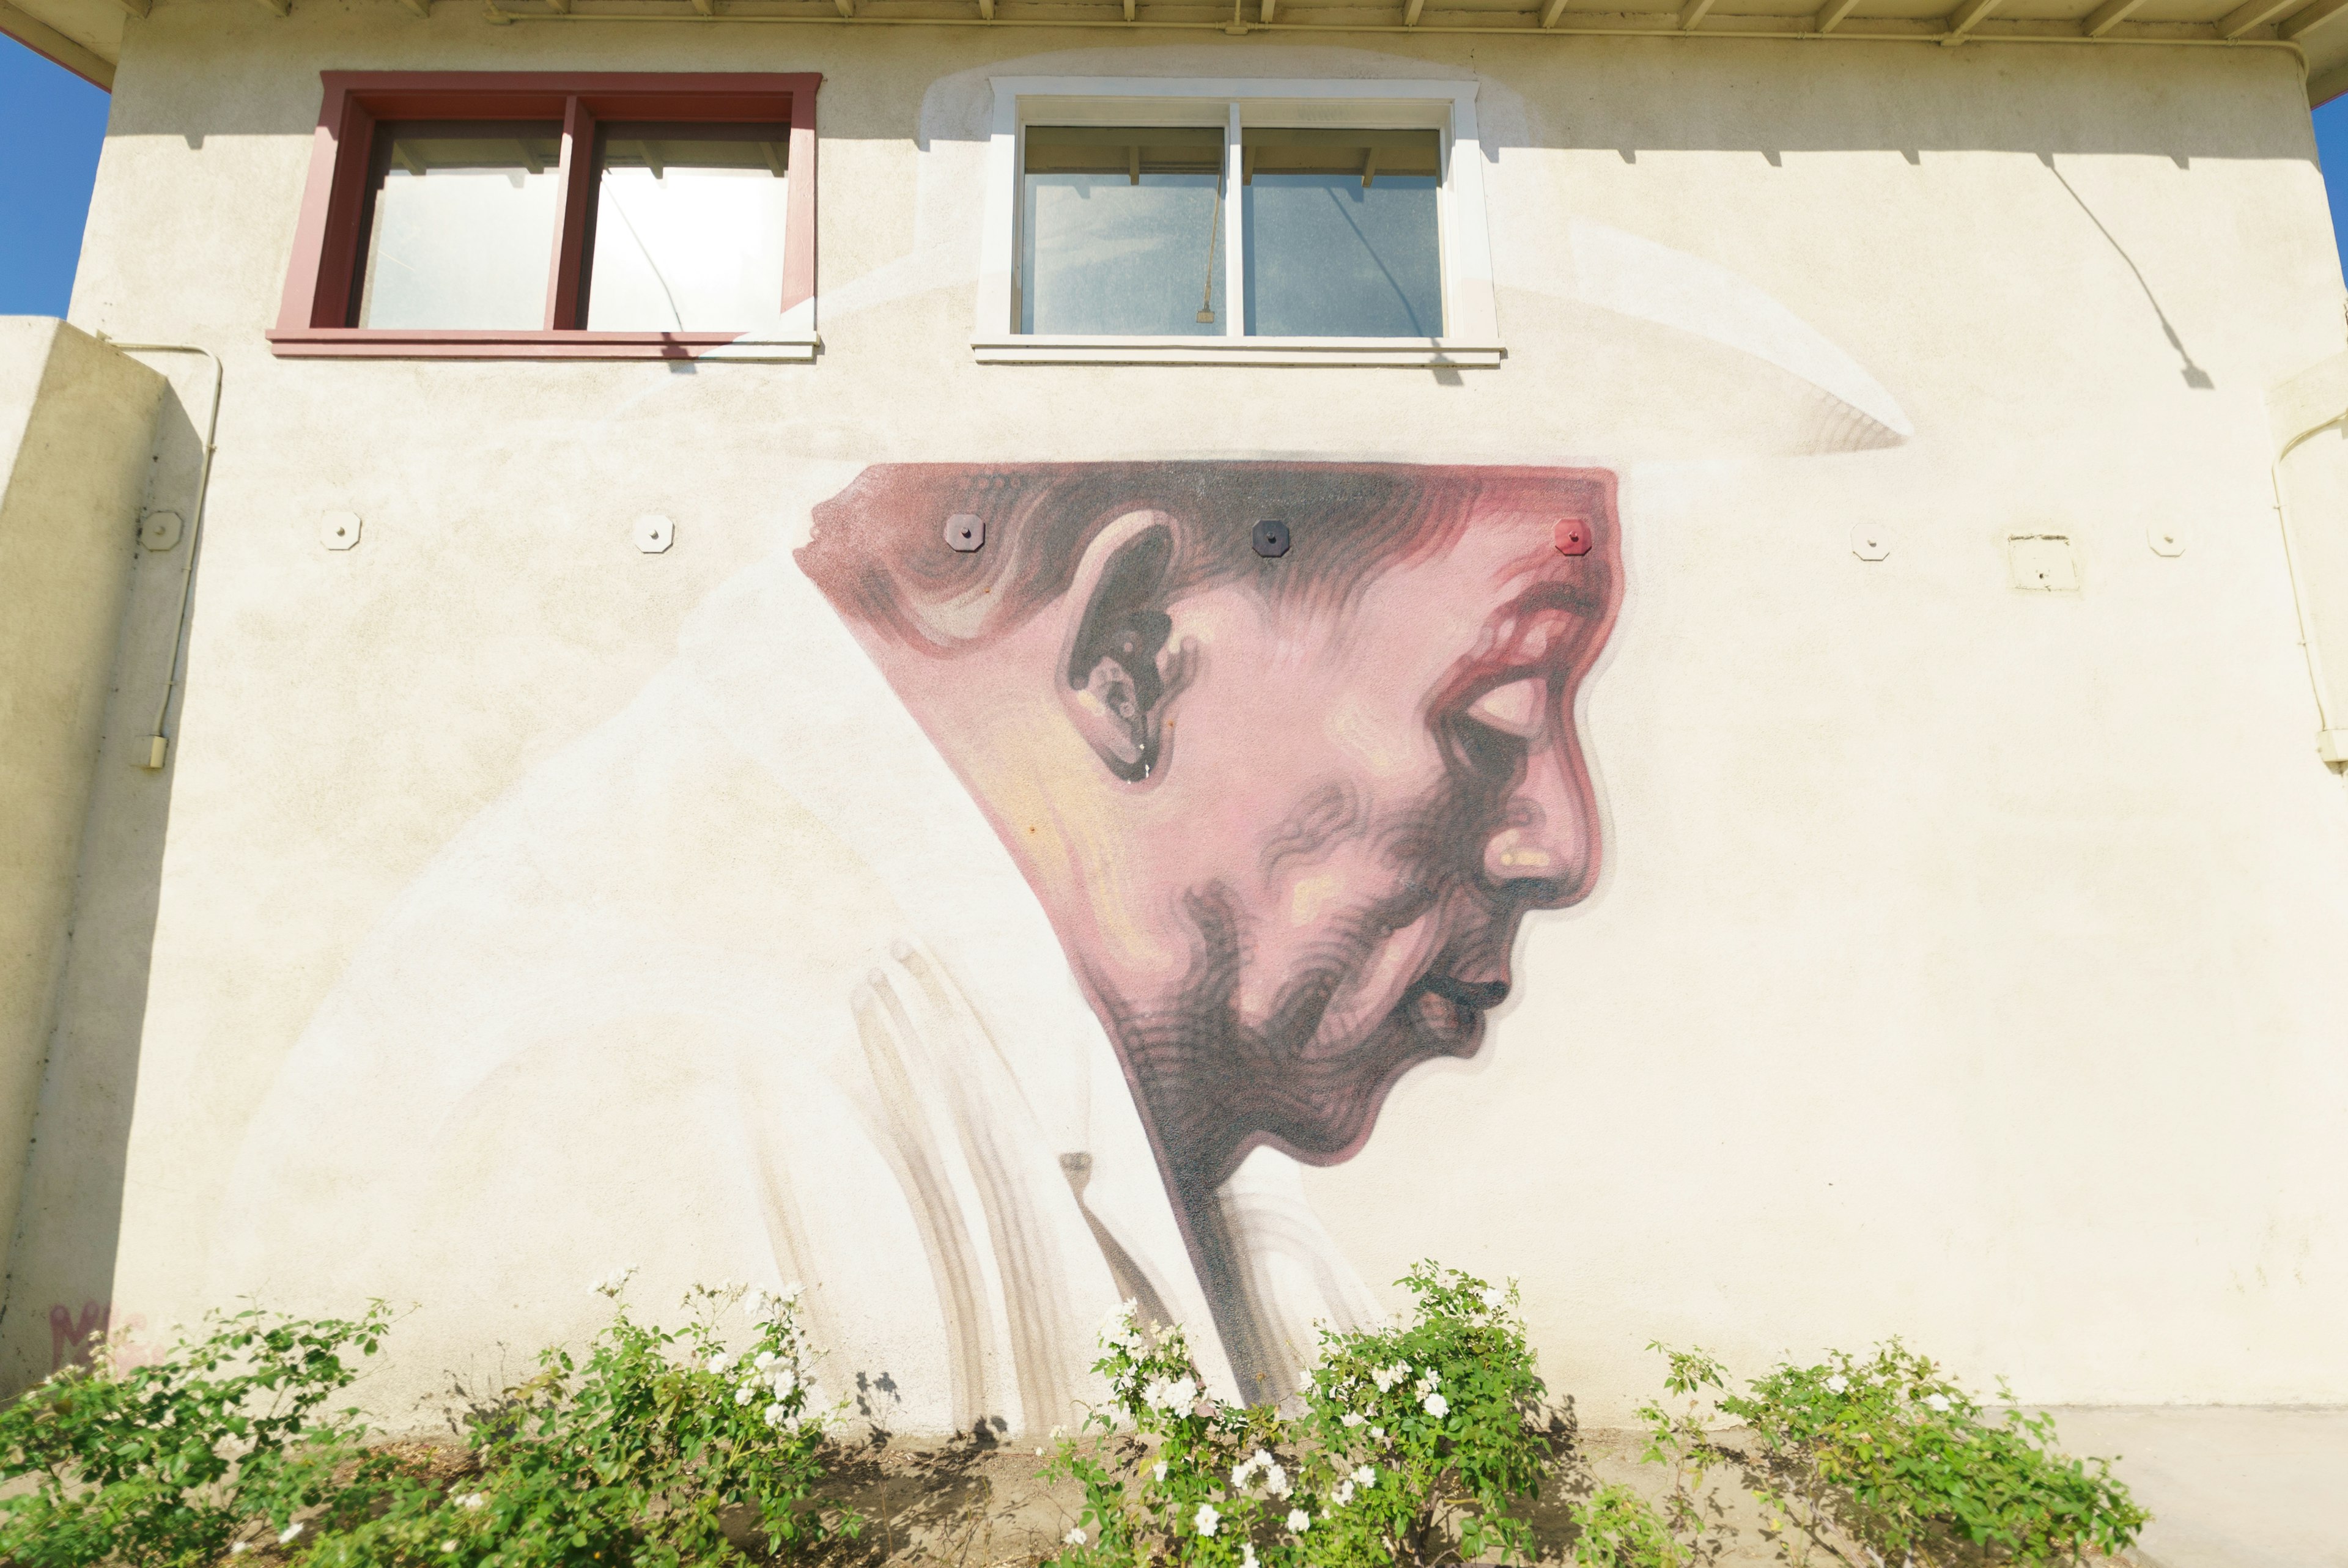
x: 1617, y: 1528
x: 1409, y: 1436
x: 638, y: 1454
x: 164, y: 1464
x: 1905, y: 1460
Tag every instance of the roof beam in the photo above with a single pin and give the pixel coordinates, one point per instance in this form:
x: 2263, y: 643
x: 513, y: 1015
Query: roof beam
x: 2300, y: 22
x: 422, y: 8
x: 2108, y: 16
x: 1128, y: 10
x: 986, y: 10
x: 1269, y: 7
x: 278, y: 8
x: 1966, y: 17
x: 1832, y: 13
x: 43, y: 39
x: 846, y: 7
x: 2252, y: 14
x: 1411, y: 8
x: 1552, y: 12
x: 1692, y: 13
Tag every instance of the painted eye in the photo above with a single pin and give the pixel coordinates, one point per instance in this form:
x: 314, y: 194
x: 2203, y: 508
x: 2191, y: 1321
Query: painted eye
x: 1515, y: 709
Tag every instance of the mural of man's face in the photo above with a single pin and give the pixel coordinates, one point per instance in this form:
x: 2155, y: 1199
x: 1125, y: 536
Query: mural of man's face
x: 1287, y: 814
x: 1349, y: 810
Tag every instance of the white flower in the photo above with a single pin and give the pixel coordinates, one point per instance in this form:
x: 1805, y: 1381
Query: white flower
x: 1494, y: 1297
x: 745, y: 1393
x: 289, y: 1532
x: 1207, y: 1519
x: 239, y: 1549
x: 1378, y: 1433
x: 765, y: 1359
x: 1344, y: 1493
x: 614, y: 1283
x: 1939, y: 1402
x: 1837, y: 1383
x: 1247, y: 1555
x: 1434, y: 1377
x: 1298, y: 1521
x: 720, y: 1361
x: 1304, y: 1383
x: 1366, y: 1476
x: 1177, y: 1395
x: 1074, y: 1537
x: 1355, y: 1418
x: 1438, y: 1406
x: 1239, y: 1475
x: 471, y: 1501
x: 448, y: 1546
x: 1275, y: 1481
x: 1159, y: 1470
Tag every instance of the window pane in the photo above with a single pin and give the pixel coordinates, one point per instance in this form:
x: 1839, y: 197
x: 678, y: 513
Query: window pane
x: 461, y: 232
x: 1341, y: 235
x: 1121, y: 230
x: 689, y: 225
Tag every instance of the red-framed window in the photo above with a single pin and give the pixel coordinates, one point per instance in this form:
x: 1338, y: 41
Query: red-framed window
x: 511, y: 215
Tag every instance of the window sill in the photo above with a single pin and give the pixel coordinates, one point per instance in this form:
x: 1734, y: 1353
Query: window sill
x: 1039, y: 349
x: 369, y: 342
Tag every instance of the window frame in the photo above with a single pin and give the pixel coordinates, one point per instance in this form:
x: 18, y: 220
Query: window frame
x: 1472, y: 335
x: 321, y: 279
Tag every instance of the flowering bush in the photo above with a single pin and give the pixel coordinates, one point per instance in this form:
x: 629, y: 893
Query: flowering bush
x: 165, y: 1463
x: 1409, y: 1435
x: 637, y: 1455
x: 1906, y: 1460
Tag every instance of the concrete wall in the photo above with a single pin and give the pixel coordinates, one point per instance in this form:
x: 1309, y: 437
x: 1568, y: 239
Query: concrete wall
x: 75, y: 416
x: 1965, y: 960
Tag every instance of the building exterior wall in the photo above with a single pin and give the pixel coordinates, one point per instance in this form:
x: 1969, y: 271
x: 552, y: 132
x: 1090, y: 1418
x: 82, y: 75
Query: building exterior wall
x: 74, y: 422
x: 1965, y: 959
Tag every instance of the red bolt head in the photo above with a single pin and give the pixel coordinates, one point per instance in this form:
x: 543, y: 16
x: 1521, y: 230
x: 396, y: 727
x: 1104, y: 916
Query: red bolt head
x: 1572, y: 537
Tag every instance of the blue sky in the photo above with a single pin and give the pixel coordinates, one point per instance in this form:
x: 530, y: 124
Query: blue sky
x: 51, y: 121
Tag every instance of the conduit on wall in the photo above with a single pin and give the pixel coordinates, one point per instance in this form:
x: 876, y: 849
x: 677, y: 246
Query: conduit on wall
x: 158, y: 743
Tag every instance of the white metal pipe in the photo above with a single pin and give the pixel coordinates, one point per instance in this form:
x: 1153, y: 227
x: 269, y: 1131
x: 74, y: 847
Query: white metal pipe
x: 159, y: 744
x: 2331, y: 744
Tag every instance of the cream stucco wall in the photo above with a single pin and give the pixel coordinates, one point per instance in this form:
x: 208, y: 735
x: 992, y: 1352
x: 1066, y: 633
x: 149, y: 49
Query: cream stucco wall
x: 1968, y: 963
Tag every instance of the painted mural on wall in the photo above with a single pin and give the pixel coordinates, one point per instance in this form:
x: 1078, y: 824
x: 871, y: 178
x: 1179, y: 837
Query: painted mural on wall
x: 1285, y: 811
x: 978, y: 936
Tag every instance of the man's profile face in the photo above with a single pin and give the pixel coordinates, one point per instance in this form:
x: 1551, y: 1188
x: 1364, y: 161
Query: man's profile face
x: 1287, y: 837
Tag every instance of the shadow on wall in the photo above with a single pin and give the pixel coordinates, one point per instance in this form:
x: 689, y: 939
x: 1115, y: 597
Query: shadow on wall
x: 2195, y: 376
x: 1620, y: 94
x: 59, y: 1295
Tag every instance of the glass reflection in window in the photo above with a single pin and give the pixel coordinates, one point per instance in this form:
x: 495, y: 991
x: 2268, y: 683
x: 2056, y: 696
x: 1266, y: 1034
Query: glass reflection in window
x: 1121, y: 230
x: 460, y: 228
x: 1341, y: 233
x: 689, y: 227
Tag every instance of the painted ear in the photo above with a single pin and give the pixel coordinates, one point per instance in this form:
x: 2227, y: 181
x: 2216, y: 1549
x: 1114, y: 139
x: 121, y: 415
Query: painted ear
x: 1115, y: 689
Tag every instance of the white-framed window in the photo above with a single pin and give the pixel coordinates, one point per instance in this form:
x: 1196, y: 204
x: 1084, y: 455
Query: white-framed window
x: 1173, y: 221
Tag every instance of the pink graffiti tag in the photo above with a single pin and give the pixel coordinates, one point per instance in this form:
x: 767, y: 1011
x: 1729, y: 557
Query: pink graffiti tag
x: 71, y: 1341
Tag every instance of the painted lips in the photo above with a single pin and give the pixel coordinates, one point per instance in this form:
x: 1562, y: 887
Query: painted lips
x: 1451, y: 1007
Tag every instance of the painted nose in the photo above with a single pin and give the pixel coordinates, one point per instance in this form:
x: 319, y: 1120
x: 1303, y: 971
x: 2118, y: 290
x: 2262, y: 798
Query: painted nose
x: 1545, y: 850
